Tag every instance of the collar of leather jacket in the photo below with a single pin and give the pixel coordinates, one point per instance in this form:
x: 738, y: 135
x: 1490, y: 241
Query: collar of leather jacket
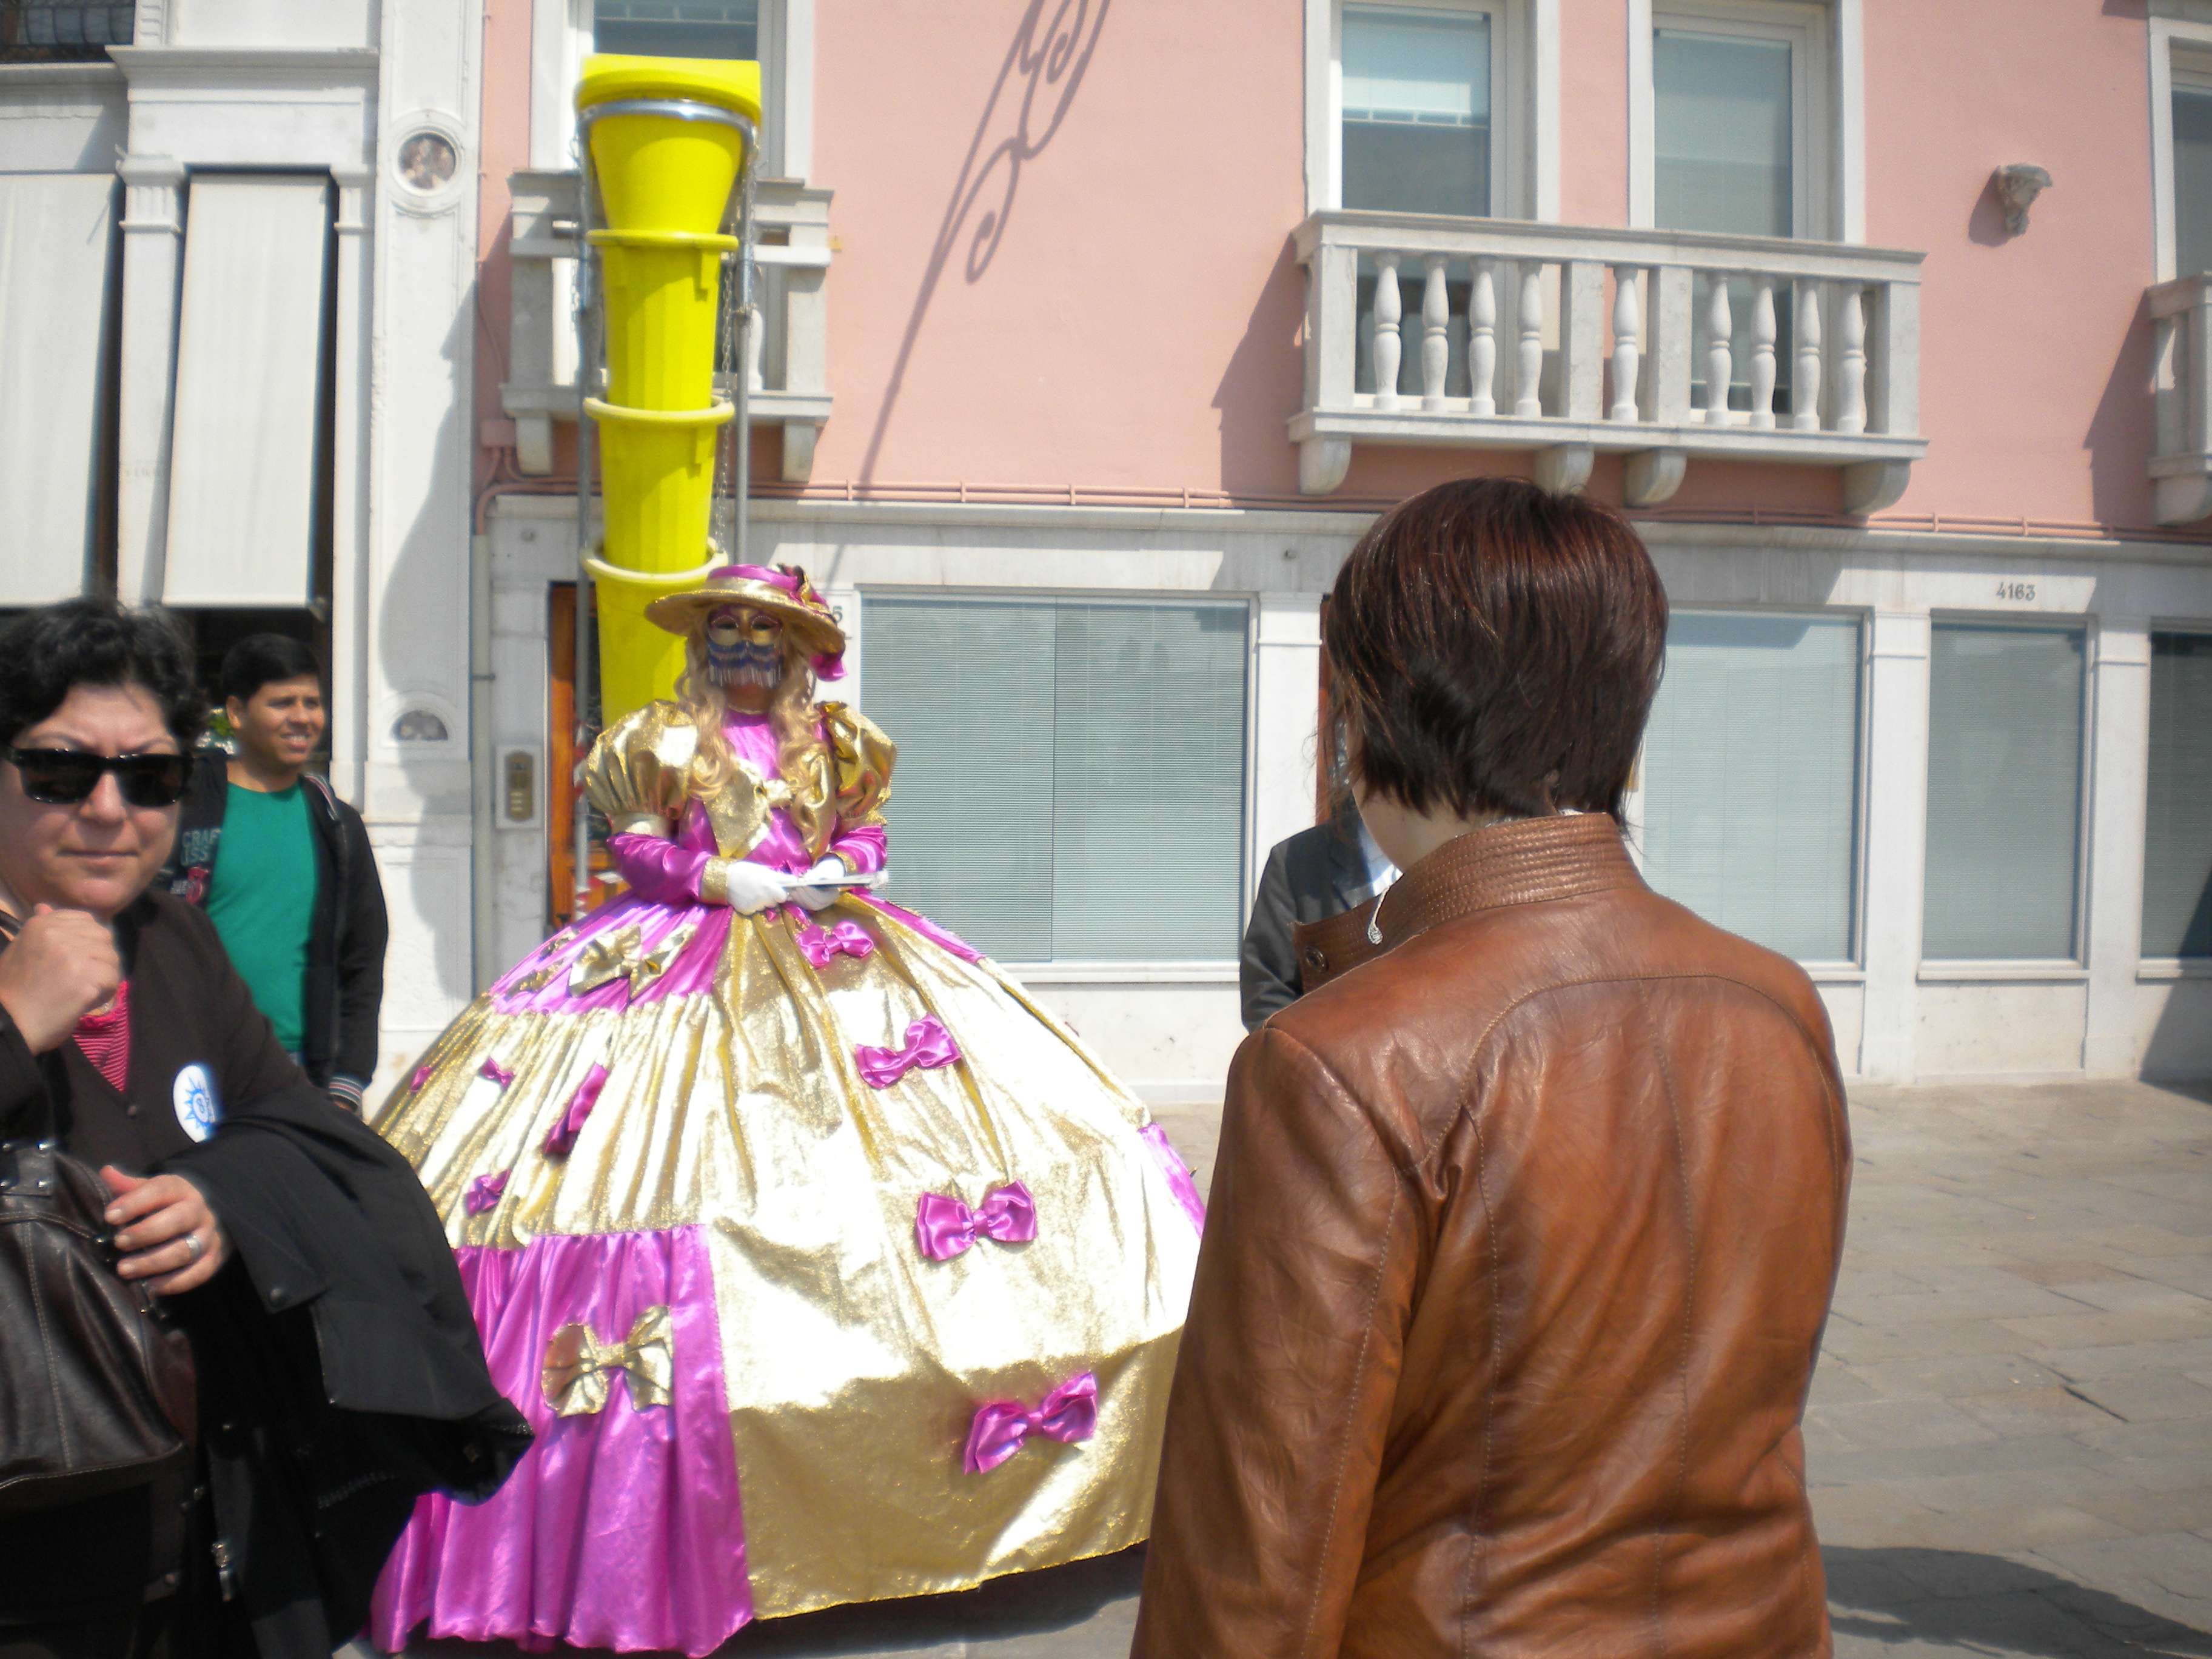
x: 1522, y: 861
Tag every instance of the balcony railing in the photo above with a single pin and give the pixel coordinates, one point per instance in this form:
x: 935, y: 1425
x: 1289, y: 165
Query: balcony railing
x: 790, y: 349
x: 2181, y: 390
x: 1564, y: 341
x: 58, y: 31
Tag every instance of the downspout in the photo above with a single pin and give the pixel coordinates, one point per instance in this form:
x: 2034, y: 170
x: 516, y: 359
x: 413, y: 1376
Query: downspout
x: 483, y: 766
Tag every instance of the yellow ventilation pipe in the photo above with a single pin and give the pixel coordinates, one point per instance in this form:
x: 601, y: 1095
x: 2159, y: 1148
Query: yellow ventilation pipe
x: 667, y: 139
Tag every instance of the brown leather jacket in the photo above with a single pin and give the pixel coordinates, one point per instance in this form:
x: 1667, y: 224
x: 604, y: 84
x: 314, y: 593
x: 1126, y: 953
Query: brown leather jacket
x: 1520, y: 1246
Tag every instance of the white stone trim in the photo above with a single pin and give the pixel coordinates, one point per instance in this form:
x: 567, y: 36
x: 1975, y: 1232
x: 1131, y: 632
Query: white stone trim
x: 1524, y: 103
x: 153, y: 255
x: 2114, y: 851
x: 1895, y: 855
x: 2189, y: 36
x: 1831, y: 132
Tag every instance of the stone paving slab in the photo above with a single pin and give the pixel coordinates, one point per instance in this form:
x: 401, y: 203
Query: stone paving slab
x: 2009, y: 1441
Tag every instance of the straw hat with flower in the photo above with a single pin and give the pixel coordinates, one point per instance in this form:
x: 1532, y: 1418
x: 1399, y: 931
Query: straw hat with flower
x: 783, y: 593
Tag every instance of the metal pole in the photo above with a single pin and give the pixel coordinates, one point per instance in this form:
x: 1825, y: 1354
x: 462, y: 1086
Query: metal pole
x: 585, y: 670
x: 747, y: 320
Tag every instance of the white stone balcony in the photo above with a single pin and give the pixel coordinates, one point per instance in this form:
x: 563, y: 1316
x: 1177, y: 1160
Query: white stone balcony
x: 1564, y: 341
x: 2181, y: 390
x: 790, y: 349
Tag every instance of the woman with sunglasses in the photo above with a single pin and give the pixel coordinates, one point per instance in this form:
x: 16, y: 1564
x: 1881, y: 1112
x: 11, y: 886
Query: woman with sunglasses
x: 337, y: 1369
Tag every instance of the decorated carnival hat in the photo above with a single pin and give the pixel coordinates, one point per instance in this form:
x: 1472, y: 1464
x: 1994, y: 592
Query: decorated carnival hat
x: 783, y: 593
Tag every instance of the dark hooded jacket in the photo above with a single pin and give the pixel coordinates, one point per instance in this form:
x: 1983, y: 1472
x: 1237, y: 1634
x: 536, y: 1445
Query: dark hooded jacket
x: 340, y: 1370
x: 346, y: 937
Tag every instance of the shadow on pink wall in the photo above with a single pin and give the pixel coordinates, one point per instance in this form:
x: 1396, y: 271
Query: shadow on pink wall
x: 1037, y: 85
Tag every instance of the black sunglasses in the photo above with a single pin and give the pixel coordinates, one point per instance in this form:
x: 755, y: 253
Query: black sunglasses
x: 63, y: 777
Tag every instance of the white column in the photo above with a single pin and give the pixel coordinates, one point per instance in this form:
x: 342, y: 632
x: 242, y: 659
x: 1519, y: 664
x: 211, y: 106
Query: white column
x: 1897, y: 841
x: 1286, y: 699
x: 349, y: 516
x: 2118, y: 783
x: 153, y: 249
x: 415, y: 635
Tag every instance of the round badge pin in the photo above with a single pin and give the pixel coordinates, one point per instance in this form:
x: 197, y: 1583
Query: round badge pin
x: 198, y: 1108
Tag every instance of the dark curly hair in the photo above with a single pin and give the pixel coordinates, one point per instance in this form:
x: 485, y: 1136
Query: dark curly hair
x: 46, y: 653
x: 1495, y: 648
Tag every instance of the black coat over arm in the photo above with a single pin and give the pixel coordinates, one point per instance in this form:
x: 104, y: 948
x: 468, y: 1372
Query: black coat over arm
x: 341, y: 1373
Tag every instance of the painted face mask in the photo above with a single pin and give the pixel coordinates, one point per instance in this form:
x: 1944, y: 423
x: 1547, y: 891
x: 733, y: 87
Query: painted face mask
x: 744, y: 647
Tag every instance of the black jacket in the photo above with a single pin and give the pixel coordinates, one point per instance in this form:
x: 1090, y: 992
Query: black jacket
x: 345, y: 943
x: 340, y: 1370
x: 1312, y: 875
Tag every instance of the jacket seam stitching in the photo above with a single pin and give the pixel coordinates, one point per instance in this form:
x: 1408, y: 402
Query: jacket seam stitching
x: 1351, y: 1410
x: 1366, y: 1336
x: 1489, y: 1390
x: 1682, y: 1365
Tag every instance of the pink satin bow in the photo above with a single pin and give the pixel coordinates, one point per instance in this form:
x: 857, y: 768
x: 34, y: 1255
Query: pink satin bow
x: 561, y: 1140
x: 485, y: 1191
x: 841, y: 938
x: 498, y: 1073
x: 1067, y: 1414
x: 928, y: 1045
x: 945, y: 1227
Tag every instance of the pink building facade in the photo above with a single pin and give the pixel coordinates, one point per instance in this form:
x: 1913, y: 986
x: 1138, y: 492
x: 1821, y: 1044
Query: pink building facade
x: 1079, y: 380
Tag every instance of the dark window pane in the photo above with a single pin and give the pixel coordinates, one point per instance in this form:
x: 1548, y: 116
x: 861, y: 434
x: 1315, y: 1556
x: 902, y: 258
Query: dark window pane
x: 1409, y: 169
x: 2192, y: 180
x: 678, y: 29
x: 2177, y: 915
x: 1416, y: 136
x: 1724, y: 132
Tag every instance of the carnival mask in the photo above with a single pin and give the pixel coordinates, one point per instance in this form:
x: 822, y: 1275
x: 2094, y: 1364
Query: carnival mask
x: 744, y: 647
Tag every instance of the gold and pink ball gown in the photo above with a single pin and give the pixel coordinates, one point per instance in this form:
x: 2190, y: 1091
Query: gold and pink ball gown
x: 826, y: 1265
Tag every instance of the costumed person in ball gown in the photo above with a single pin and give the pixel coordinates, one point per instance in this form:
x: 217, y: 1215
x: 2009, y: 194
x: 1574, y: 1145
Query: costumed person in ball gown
x: 828, y: 1266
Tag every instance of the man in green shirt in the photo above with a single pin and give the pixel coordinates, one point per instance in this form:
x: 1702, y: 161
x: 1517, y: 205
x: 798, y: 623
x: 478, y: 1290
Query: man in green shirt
x: 284, y: 869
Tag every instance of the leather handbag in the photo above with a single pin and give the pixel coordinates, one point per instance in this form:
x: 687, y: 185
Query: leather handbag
x: 97, y: 1388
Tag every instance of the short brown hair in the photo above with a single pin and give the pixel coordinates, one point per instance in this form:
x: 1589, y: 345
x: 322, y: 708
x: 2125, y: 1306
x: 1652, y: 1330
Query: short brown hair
x: 1496, y: 648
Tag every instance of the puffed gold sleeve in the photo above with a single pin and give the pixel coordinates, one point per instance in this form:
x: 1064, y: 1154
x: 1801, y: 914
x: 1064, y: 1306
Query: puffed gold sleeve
x: 639, y: 774
x: 863, y: 757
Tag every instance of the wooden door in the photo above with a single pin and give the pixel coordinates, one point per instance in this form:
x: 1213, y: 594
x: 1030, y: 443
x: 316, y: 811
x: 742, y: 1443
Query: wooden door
x: 563, y: 759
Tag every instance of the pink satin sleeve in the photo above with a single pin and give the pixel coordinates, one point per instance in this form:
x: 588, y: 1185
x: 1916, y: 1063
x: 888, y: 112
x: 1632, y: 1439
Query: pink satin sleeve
x: 864, y: 847
x: 659, y: 871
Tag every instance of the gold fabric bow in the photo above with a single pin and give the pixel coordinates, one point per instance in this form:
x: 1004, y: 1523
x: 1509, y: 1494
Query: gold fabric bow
x: 611, y: 957
x: 579, y: 1369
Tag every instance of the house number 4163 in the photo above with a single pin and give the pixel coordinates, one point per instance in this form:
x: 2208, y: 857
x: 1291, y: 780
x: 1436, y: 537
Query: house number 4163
x: 2016, y: 590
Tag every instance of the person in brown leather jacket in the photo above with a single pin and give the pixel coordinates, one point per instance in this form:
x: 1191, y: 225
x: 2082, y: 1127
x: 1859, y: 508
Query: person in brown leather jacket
x: 1523, y: 1234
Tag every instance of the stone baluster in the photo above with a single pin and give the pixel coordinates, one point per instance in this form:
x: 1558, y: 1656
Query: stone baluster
x: 1762, y: 353
x: 1389, y: 310
x: 1851, y: 369
x: 1527, y: 380
x: 1805, y: 384
x: 1627, y: 341
x: 1719, y: 363
x: 1482, y: 339
x: 1435, y: 333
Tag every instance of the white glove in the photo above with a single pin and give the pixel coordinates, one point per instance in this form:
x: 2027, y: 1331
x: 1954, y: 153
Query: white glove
x: 818, y: 898
x: 745, y: 886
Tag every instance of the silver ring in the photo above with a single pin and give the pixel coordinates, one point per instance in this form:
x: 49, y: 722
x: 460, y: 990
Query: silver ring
x: 192, y: 1244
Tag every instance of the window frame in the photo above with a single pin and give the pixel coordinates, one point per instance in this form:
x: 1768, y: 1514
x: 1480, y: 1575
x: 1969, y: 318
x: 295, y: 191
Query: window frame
x: 1938, y: 970
x: 1524, y: 102
x: 1120, y: 971
x: 1827, y: 113
x: 1851, y: 969
x: 2180, y: 54
x: 560, y: 38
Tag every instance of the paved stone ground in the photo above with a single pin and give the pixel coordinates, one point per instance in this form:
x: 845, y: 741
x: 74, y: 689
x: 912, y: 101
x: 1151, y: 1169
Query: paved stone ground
x: 2010, y: 1438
